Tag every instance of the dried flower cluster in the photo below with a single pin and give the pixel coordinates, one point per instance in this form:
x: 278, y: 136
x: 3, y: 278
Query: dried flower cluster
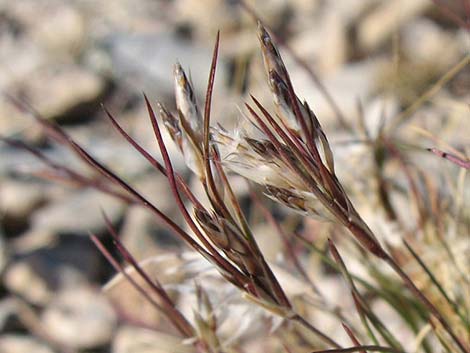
x: 297, y: 165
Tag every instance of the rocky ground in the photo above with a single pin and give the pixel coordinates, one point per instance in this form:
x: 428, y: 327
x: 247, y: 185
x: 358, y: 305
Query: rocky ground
x: 66, y: 58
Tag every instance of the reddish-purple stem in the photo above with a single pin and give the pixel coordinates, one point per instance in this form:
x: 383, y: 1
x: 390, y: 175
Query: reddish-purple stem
x: 67, y: 174
x: 220, y: 205
x: 171, y: 179
x: 351, y: 335
x: 361, y: 348
x: 119, y: 268
x: 173, y: 314
x: 150, y: 159
x: 450, y: 157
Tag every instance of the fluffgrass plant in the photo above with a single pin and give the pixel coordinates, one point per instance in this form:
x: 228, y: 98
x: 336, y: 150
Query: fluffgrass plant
x: 287, y: 153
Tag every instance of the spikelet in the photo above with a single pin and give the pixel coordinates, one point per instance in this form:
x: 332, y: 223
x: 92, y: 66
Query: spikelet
x: 306, y: 125
x: 252, y: 158
x: 186, y: 102
x: 302, y: 202
x: 205, y: 319
x: 240, y: 250
x: 185, y: 129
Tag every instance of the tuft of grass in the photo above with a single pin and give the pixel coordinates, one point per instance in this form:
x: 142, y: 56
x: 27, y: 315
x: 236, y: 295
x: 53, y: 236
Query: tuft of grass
x: 288, y: 154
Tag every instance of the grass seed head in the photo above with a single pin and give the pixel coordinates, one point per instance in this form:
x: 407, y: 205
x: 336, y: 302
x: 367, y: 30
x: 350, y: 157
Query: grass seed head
x: 186, y: 100
x: 186, y: 128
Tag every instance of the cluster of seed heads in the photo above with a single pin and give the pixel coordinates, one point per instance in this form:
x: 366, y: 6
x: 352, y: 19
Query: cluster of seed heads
x: 288, y: 154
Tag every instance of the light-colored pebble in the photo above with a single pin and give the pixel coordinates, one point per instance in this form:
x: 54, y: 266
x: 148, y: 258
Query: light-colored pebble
x: 385, y: 20
x: 16, y: 343
x: 19, y: 199
x: 80, y: 318
x: 22, y: 279
x: 59, y: 96
x: 130, y: 339
x: 78, y: 213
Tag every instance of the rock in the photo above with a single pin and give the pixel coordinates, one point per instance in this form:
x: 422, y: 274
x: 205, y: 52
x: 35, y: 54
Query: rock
x: 35, y: 51
x: 18, y: 54
x: 138, y: 340
x: 8, y: 309
x: 425, y: 42
x: 38, y: 46
x: 32, y: 240
x: 381, y: 23
x: 80, y: 318
x: 37, y: 275
x: 17, y: 201
x: 63, y: 31
x: 78, y: 213
x: 61, y: 100
x: 346, y: 86
x: 206, y: 18
x: 54, y: 26
x: 21, y: 278
x: 103, y: 18
x: 326, y: 56
x: 137, y: 61
x: 16, y: 343
x: 349, y: 11
x: 304, y: 8
x: 16, y: 66
x: 17, y: 315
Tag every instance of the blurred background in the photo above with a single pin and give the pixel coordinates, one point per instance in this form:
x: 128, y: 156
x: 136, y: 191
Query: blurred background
x: 374, y: 58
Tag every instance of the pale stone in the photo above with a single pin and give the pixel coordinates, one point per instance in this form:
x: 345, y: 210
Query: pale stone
x: 78, y: 213
x: 16, y: 343
x: 385, y: 20
x: 67, y: 87
x: 22, y: 279
x: 425, y: 43
x: 130, y: 339
x: 63, y: 31
x: 325, y: 56
x: 19, y: 199
x: 80, y: 318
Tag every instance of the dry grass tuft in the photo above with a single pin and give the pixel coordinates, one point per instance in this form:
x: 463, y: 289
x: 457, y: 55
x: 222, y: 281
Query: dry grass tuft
x: 288, y: 154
